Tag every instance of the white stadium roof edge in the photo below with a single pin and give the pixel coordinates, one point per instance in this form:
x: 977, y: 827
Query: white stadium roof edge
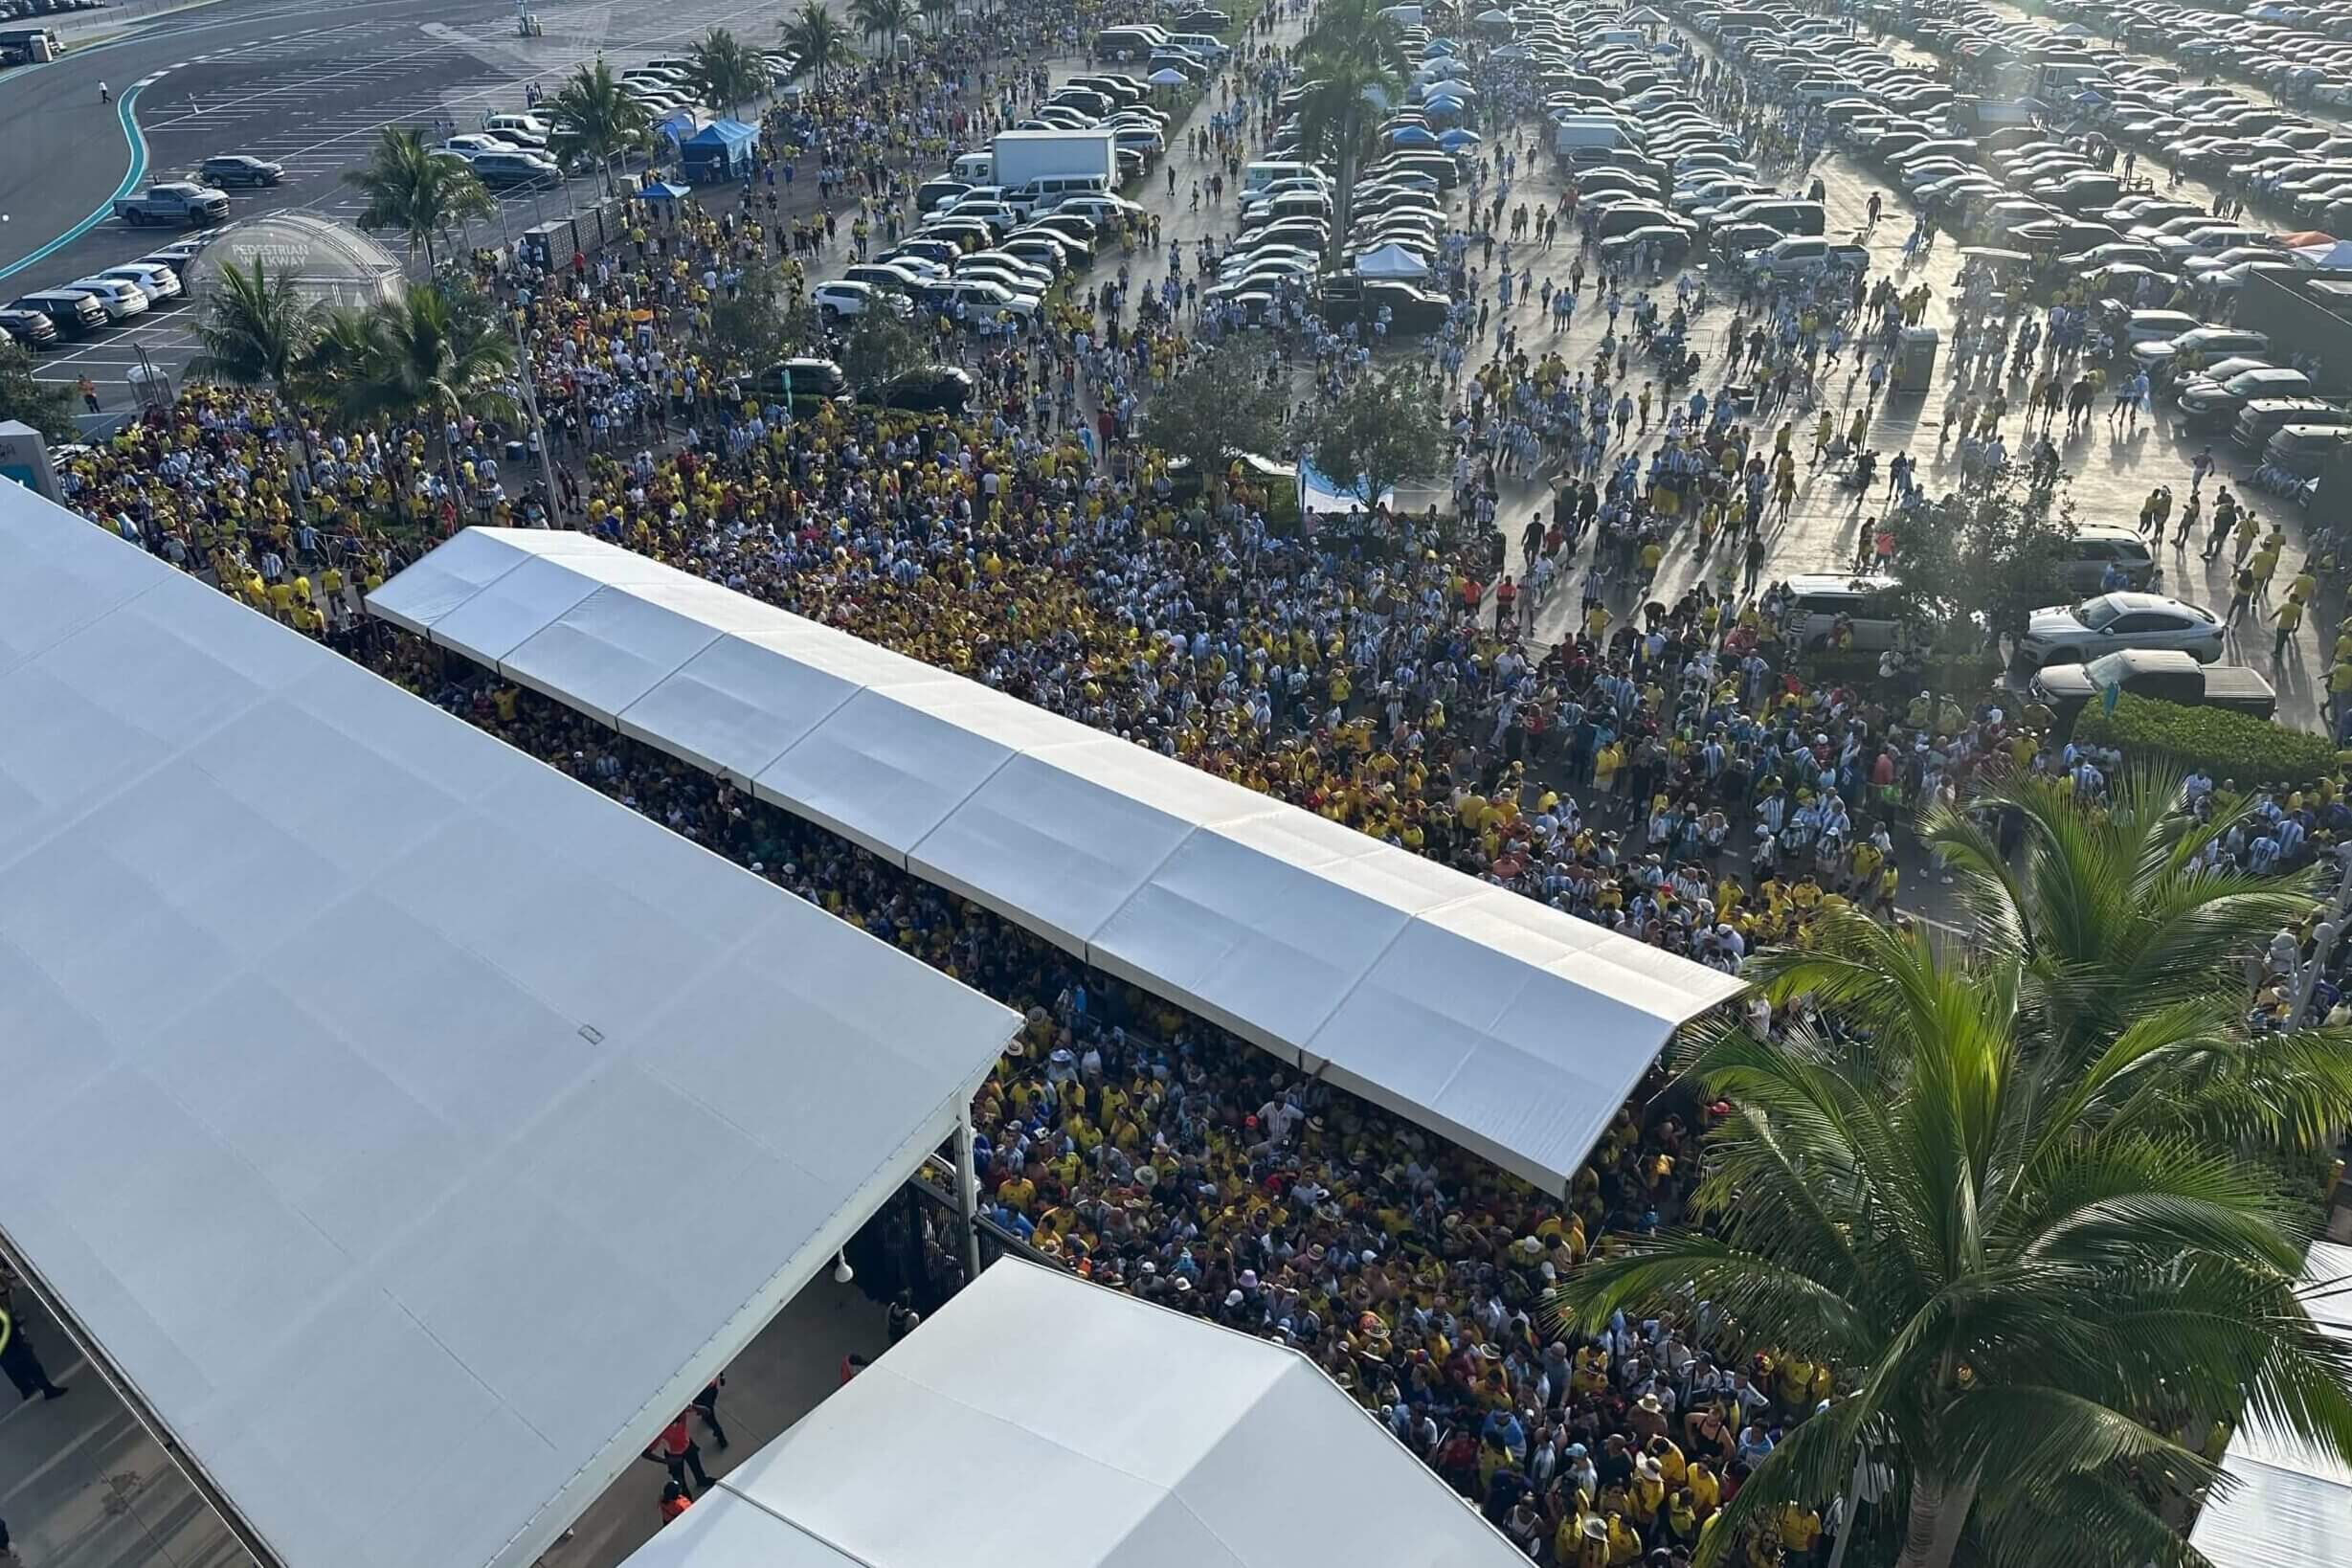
x: 1252, y: 1457
x: 348, y: 1046
x: 2292, y: 1506
x: 1512, y: 1028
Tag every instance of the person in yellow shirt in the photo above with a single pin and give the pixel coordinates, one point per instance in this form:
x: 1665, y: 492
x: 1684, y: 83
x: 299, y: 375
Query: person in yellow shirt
x: 1706, y: 1491
x: 1647, y: 1493
x: 1799, y: 1531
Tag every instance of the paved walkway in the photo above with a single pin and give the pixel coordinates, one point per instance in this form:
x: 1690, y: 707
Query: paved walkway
x: 83, y: 1486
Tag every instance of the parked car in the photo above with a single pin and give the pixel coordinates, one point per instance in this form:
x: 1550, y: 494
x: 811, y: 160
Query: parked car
x: 2205, y: 402
x: 842, y: 299
x: 1867, y: 605
x: 29, y: 327
x: 935, y: 389
x: 2088, y: 555
x: 2166, y: 674
x: 226, y: 169
x: 2070, y: 634
x: 1409, y: 308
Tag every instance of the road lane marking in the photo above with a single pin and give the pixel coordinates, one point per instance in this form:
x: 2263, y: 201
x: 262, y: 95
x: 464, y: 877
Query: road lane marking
x: 130, y: 182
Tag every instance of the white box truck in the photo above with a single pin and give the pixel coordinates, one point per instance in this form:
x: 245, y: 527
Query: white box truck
x: 1023, y: 156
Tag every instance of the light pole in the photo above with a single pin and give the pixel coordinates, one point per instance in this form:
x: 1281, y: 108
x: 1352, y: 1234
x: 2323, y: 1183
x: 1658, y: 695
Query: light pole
x: 530, y: 405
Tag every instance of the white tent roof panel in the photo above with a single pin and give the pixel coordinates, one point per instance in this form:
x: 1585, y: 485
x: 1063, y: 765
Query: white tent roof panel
x: 1059, y: 838
x: 736, y: 707
x: 461, y: 567
x: 881, y: 773
x: 2292, y: 1506
x: 1304, y: 936
x: 396, y: 1020
x: 1250, y: 1459
x: 610, y: 648
x: 1252, y: 940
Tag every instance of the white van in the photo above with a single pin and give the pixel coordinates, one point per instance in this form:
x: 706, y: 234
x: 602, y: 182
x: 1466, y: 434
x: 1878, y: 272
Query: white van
x: 1586, y: 134
x: 1032, y: 198
x: 1207, y: 45
x: 1631, y: 37
x: 1258, y: 176
x: 1401, y: 16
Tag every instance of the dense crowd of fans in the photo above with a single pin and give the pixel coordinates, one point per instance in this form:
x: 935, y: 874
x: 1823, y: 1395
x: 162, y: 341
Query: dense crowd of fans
x: 1681, y: 771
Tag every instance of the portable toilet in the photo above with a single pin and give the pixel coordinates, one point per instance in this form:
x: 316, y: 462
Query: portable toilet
x: 1913, y: 371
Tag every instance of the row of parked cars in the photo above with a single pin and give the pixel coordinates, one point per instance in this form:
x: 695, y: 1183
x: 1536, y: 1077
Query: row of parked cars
x: 69, y: 312
x: 986, y: 253
x: 1286, y: 215
x: 2296, y: 51
x: 1659, y: 177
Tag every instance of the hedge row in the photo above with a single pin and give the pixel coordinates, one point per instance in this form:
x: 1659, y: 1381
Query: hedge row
x: 2228, y: 746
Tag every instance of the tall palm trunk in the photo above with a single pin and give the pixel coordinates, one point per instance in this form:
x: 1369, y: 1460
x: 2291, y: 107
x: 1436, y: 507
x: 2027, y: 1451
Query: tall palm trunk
x: 1347, y: 190
x: 1938, y: 1514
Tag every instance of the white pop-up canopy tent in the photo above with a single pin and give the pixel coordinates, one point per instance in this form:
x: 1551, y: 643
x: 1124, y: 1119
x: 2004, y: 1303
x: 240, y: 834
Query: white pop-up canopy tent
x: 2292, y: 1506
x: 1246, y: 1457
x: 1511, y: 1027
x: 350, y: 1052
x: 1391, y: 261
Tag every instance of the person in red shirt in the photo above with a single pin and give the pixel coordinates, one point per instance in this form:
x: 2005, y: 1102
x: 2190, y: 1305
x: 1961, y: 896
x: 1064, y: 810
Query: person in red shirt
x: 677, y: 1450
x: 674, y: 1501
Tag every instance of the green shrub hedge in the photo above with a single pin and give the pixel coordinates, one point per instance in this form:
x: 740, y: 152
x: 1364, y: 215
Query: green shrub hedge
x: 2226, y: 744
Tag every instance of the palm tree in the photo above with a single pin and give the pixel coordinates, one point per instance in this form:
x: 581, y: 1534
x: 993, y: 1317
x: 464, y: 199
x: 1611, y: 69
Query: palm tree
x: 336, y: 357
x: 1335, y: 117
x: 257, y: 331
x: 725, y: 70
x: 433, y: 356
x: 1353, y: 30
x: 2036, y: 1214
x: 939, y: 15
x: 2105, y: 910
x: 595, y: 120
x: 883, y: 21
x: 2025, y: 1296
x: 416, y: 190
x: 817, y: 40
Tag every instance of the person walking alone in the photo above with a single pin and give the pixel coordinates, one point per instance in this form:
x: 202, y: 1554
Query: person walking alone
x: 22, y: 1363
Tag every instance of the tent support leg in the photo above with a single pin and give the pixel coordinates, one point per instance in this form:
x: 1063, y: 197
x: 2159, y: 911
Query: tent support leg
x: 967, y: 1184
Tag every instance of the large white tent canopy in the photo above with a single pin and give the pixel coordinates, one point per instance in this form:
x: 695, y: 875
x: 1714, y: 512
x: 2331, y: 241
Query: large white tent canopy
x: 2292, y: 1506
x: 352, y: 1053
x: 1512, y: 1028
x: 1249, y: 1457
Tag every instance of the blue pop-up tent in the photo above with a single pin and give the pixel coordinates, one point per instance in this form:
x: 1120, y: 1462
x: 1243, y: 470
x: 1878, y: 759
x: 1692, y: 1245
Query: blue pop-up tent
x: 720, y: 150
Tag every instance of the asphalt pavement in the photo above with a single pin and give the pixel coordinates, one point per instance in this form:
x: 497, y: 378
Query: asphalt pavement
x: 308, y: 86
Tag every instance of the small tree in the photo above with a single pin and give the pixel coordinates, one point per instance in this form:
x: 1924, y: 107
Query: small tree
x: 40, y: 404
x: 1390, y: 429
x: 1975, y: 564
x: 1219, y: 404
x: 880, y: 347
x: 763, y: 321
